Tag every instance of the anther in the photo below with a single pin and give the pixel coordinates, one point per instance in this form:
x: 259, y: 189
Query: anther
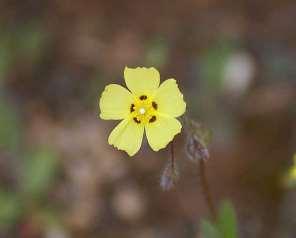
x: 154, y: 105
x: 137, y: 120
x: 132, y: 108
x: 152, y: 119
x: 143, y: 97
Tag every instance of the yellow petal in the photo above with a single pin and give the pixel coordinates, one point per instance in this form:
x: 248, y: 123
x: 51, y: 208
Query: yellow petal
x: 127, y: 136
x: 141, y: 80
x: 160, y: 132
x: 115, y: 102
x: 170, y: 99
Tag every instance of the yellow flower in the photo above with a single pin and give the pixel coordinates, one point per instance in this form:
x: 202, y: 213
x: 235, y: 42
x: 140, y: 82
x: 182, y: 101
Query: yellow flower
x: 146, y: 106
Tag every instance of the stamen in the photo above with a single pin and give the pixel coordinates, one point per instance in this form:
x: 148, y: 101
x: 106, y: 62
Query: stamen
x: 143, y: 97
x: 154, y: 105
x: 142, y: 111
x: 132, y: 109
x: 152, y: 119
x: 137, y: 120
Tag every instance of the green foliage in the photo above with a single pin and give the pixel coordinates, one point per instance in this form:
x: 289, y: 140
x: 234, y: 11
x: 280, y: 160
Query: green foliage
x: 9, y: 127
x: 39, y: 170
x: 157, y: 53
x: 227, y: 220
x: 37, y: 176
x: 10, y: 208
x: 24, y: 42
x: 214, y: 61
x: 224, y: 227
x: 30, y: 41
x: 209, y: 230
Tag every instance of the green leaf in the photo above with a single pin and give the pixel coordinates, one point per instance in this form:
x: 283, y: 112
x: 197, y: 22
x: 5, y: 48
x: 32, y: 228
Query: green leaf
x: 39, y: 170
x: 227, y: 220
x: 10, y: 208
x: 225, y: 226
x: 209, y: 230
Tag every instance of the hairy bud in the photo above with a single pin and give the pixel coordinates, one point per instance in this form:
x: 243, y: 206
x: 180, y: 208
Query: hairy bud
x: 195, y: 148
x: 197, y: 139
x: 169, y: 176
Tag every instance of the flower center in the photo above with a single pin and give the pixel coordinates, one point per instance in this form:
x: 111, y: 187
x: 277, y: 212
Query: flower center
x: 144, y: 110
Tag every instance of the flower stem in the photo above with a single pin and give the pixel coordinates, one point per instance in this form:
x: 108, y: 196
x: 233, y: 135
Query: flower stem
x: 172, y: 156
x: 206, y: 189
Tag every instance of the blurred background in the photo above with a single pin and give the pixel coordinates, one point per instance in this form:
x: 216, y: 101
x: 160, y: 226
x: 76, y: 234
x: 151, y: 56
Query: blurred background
x: 235, y: 64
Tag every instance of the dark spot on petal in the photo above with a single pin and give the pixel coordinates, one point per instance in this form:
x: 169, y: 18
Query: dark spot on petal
x: 143, y: 97
x: 152, y: 119
x: 137, y: 120
x: 132, y: 108
x: 154, y: 105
